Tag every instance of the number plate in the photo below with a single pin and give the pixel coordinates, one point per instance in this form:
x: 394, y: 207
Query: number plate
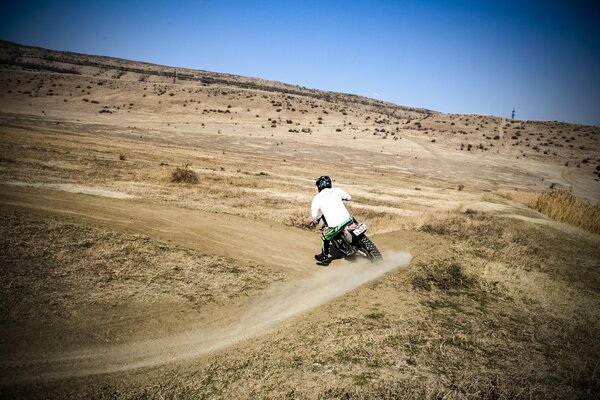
x: 361, y: 229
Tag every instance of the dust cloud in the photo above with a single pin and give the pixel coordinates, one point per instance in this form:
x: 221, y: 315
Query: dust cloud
x: 297, y: 297
x: 281, y: 303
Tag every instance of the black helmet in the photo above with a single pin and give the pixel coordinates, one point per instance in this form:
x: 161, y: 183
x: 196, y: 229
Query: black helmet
x: 323, y: 182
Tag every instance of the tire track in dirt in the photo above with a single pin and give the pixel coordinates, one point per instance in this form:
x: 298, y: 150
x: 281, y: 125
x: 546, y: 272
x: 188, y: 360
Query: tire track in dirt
x: 281, y: 303
x: 226, y: 235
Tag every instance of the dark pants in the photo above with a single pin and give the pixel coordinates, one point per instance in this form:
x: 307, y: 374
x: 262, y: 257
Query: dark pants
x: 325, y: 246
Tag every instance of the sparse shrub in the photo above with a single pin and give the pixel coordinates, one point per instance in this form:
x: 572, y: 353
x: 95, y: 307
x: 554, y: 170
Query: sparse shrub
x: 375, y: 316
x: 7, y: 160
x: 184, y: 174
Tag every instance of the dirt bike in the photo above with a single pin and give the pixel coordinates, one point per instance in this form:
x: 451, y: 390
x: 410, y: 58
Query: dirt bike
x: 351, y: 241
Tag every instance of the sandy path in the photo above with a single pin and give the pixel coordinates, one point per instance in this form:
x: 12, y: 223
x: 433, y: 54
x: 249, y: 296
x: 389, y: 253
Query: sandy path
x: 281, y: 303
x: 581, y: 183
x: 225, y: 235
x: 246, y: 240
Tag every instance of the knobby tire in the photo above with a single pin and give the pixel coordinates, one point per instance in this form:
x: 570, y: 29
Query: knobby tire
x: 370, y: 248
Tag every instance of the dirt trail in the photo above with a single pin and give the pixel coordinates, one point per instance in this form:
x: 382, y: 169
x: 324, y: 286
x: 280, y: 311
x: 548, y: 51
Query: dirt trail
x: 247, y: 240
x: 581, y: 183
x: 279, y: 304
x: 220, y: 234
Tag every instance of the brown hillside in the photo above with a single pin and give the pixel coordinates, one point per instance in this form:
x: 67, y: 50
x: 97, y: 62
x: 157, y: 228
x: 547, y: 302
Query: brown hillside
x: 154, y: 242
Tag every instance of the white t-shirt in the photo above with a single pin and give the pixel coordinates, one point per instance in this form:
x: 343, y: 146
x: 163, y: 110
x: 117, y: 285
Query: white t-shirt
x: 329, y: 201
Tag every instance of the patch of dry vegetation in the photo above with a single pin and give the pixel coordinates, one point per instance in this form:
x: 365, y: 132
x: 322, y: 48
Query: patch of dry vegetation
x: 527, y: 198
x: 442, y: 273
x: 563, y: 206
x: 56, y: 269
x: 487, y: 236
x: 560, y: 205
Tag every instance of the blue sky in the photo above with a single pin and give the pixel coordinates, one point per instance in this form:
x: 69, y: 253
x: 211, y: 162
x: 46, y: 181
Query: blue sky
x: 481, y: 57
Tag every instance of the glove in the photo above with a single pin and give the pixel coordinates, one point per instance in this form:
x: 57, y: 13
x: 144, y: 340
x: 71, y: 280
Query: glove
x: 311, y: 224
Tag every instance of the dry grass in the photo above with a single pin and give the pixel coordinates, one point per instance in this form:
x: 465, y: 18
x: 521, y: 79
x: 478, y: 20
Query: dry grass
x: 56, y: 269
x: 560, y: 205
x: 443, y: 273
x: 527, y: 198
x: 563, y: 206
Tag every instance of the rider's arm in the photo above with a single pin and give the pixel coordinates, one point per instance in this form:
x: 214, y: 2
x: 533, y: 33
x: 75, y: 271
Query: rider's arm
x: 314, y: 210
x: 345, y: 196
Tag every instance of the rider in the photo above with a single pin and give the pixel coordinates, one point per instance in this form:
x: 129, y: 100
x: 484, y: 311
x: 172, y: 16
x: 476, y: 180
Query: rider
x: 335, y: 215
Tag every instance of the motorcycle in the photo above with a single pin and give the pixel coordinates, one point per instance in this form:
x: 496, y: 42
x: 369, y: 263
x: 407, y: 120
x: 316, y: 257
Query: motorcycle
x: 351, y: 242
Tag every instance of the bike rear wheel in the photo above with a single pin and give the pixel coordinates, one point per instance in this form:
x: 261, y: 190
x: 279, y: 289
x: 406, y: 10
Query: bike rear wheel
x: 370, y: 248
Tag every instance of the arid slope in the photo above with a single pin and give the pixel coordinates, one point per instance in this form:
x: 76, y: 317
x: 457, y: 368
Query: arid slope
x: 118, y: 282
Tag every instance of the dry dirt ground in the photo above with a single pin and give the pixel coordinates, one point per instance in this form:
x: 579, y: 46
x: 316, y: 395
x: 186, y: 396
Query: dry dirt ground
x: 118, y: 283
